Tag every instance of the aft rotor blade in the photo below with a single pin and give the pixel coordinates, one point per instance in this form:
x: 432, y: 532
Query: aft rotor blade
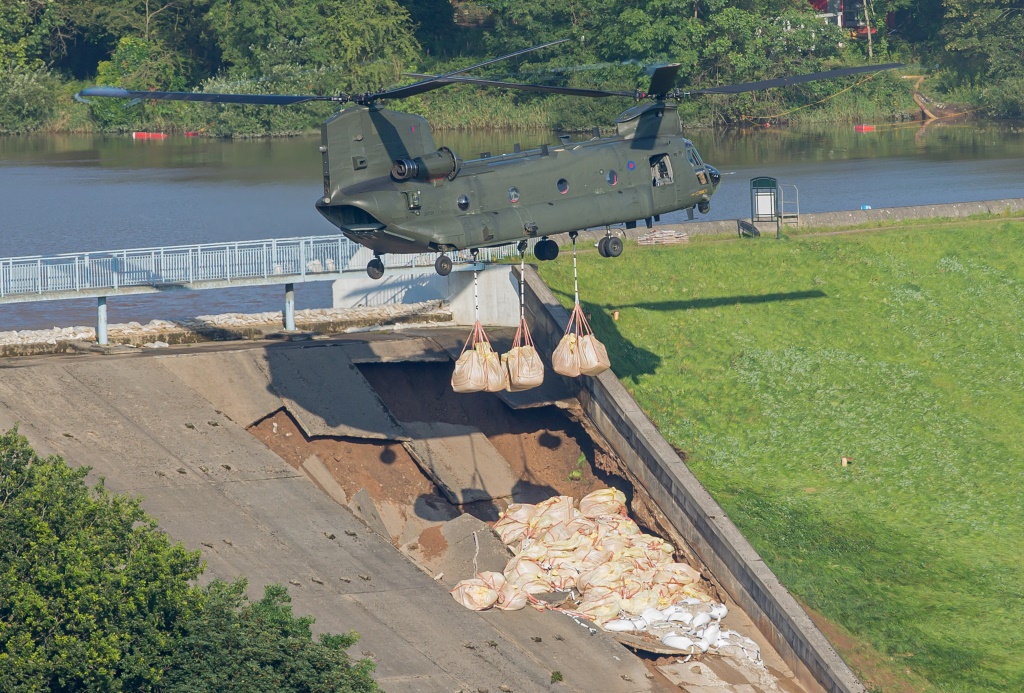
x: 437, y: 82
x: 663, y: 79
x: 546, y: 89
x: 258, y: 99
x: 786, y: 81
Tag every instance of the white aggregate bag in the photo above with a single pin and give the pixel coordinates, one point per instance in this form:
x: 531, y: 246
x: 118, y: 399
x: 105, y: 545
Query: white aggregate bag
x: 579, y: 352
x: 478, y: 368
x: 523, y: 362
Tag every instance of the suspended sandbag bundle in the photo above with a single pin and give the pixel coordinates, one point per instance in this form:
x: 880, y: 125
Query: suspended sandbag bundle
x: 579, y: 352
x: 525, y: 369
x: 479, y: 368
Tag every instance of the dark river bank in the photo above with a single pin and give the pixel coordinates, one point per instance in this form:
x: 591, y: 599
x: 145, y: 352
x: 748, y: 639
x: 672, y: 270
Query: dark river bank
x: 84, y: 193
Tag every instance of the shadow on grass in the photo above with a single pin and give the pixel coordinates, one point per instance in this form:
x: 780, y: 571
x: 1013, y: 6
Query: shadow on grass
x: 631, y: 361
x: 697, y: 303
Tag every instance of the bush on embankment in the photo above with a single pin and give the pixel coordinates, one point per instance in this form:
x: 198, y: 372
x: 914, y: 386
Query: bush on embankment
x: 767, y: 361
x: 93, y: 597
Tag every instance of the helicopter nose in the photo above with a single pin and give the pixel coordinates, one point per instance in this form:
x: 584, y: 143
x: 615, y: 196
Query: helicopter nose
x: 716, y: 177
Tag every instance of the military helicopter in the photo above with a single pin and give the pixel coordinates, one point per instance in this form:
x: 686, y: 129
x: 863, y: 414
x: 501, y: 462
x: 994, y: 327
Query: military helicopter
x: 389, y: 187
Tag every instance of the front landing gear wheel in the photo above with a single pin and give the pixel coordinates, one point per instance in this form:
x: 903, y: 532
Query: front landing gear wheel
x: 613, y: 246
x: 443, y: 265
x: 602, y: 247
x: 375, y: 268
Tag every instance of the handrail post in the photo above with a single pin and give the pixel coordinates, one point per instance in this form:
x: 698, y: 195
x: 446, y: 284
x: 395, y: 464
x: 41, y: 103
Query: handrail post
x: 302, y: 256
x: 101, y: 320
x: 39, y: 275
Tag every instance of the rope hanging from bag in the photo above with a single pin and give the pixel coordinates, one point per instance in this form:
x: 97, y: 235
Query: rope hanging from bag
x: 575, y: 275
x: 476, y: 292
x: 522, y: 286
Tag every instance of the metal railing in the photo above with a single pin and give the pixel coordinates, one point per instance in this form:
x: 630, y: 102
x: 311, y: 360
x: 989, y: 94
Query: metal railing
x: 273, y: 260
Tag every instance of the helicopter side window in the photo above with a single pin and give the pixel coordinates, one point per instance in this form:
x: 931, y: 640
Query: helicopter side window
x: 612, y: 177
x: 563, y: 186
x: 661, y: 170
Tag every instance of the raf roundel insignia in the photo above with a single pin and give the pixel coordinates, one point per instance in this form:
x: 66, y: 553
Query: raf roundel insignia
x: 631, y: 165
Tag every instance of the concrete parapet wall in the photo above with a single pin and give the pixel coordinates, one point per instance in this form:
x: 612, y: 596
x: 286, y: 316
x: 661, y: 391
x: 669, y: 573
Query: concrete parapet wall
x: 498, y: 293
x: 734, y: 563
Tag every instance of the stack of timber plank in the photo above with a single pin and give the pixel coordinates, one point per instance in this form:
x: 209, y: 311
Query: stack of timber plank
x: 664, y: 236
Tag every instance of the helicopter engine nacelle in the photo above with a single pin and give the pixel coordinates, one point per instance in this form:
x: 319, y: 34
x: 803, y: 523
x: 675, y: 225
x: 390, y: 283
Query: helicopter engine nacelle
x: 444, y: 163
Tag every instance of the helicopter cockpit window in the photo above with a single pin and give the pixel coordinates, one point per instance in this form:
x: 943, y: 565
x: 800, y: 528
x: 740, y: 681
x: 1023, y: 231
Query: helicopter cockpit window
x: 612, y: 177
x: 563, y: 186
x: 661, y: 170
x: 463, y: 202
x: 692, y: 156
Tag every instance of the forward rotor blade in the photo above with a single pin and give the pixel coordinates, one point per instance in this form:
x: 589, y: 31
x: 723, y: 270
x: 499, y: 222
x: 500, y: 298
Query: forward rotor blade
x: 436, y: 82
x: 571, y: 91
x: 258, y: 99
x: 786, y: 81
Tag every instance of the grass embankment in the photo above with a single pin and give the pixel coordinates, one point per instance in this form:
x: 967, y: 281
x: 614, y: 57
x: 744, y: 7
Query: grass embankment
x: 767, y: 361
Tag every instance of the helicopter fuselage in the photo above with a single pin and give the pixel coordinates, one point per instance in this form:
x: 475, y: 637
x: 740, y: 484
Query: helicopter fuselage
x: 388, y: 188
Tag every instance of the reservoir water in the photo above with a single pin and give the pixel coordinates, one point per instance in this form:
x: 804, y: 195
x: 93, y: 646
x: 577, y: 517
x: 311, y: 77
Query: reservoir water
x: 87, y: 193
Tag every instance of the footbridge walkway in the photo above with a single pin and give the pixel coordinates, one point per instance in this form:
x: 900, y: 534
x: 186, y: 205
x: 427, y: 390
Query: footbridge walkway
x: 106, y: 273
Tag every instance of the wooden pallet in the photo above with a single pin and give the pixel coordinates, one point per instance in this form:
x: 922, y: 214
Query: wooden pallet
x: 664, y: 237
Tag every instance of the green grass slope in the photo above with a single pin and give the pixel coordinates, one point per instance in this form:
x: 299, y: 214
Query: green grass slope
x: 769, y: 360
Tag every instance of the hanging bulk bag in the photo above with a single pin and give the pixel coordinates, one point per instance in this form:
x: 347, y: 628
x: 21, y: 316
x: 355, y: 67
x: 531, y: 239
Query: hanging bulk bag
x: 525, y: 369
x: 478, y: 368
x: 579, y: 352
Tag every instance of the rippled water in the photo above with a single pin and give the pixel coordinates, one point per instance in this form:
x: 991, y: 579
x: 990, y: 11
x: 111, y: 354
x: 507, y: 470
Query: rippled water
x: 78, y: 193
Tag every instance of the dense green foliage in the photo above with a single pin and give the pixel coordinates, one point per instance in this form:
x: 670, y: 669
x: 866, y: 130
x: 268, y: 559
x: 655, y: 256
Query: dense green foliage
x: 94, y: 597
x: 330, y: 46
x: 769, y: 360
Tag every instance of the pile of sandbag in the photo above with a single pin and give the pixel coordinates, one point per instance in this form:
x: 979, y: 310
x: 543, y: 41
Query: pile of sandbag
x: 617, y: 576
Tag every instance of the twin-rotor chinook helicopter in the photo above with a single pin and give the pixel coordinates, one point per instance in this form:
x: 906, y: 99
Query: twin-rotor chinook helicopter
x: 388, y: 186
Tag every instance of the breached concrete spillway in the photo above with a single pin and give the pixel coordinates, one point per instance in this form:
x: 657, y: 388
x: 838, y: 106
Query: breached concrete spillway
x: 175, y: 426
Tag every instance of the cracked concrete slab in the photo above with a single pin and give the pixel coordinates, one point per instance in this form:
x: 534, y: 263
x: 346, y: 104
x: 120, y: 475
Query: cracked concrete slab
x: 461, y: 461
x: 327, y: 394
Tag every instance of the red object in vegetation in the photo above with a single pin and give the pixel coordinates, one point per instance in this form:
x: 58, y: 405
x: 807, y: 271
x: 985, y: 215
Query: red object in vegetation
x: 863, y: 128
x: 149, y: 135
x: 191, y: 133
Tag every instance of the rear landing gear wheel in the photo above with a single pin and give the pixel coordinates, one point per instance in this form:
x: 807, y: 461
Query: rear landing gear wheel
x: 704, y: 206
x: 443, y: 265
x: 613, y: 246
x: 602, y: 247
x: 375, y: 268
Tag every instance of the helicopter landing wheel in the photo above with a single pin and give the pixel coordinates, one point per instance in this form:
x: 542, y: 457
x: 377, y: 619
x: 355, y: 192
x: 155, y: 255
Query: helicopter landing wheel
x: 613, y: 246
x: 375, y: 268
x: 704, y: 206
x: 546, y: 250
x: 443, y: 265
x: 602, y: 247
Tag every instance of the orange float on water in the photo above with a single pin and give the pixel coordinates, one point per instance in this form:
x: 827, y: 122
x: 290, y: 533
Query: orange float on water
x: 863, y: 128
x: 149, y: 135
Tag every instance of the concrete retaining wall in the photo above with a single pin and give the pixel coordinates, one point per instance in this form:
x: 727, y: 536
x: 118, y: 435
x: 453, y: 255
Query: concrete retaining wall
x: 498, y: 293
x: 692, y: 511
